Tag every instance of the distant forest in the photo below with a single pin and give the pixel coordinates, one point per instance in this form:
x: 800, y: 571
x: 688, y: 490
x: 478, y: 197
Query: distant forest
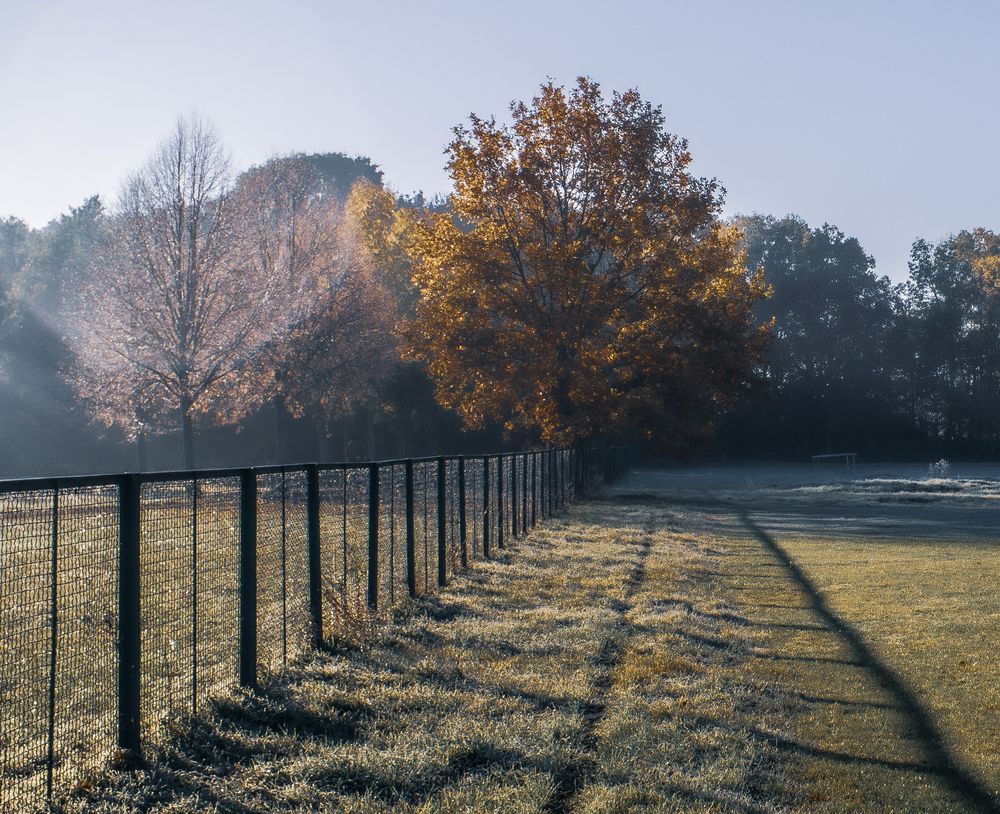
x: 859, y: 364
x: 856, y: 363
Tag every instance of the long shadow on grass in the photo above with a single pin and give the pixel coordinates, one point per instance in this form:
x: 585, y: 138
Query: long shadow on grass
x: 570, y: 779
x: 939, y: 760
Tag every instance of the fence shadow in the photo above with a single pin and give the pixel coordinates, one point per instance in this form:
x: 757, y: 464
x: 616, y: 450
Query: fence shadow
x: 976, y: 796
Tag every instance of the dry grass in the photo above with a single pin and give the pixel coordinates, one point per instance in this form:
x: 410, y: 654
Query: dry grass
x: 686, y: 644
x: 879, y: 613
x: 588, y: 669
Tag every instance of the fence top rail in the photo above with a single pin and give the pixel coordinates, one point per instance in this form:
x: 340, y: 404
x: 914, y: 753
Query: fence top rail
x: 41, y: 484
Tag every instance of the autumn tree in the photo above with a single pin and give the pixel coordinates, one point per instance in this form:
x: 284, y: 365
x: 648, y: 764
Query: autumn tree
x: 585, y: 283
x: 388, y: 232
x: 388, y: 226
x: 168, y: 323
x: 953, y: 323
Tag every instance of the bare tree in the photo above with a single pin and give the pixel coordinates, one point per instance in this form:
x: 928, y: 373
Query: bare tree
x: 331, y: 340
x: 169, y: 323
x: 347, y: 347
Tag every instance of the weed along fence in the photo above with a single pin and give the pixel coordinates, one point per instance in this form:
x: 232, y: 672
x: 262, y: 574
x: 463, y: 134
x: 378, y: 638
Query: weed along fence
x: 128, y: 599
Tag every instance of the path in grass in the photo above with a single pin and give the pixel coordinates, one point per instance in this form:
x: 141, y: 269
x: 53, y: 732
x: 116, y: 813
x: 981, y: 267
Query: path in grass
x: 588, y: 669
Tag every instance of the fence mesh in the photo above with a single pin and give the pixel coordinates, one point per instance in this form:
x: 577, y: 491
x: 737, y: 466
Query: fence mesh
x: 216, y: 588
x: 167, y: 565
x: 354, y: 619
x: 422, y: 534
x: 474, y: 506
x: 332, y: 536
x: 283, y: 622
x: 490, y: 503
x: 58, y: 614
x: 394, y: 510
x: 452, y: 540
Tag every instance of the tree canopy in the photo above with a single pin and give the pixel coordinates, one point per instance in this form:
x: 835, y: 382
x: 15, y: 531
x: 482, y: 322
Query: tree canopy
x: 583, y: 283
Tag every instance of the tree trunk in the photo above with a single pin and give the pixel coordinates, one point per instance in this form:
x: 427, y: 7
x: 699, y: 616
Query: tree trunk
x: 188, y: 430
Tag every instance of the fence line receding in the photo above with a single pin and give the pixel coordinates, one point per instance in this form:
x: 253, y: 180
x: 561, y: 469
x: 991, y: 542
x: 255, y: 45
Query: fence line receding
x: 128, y: 599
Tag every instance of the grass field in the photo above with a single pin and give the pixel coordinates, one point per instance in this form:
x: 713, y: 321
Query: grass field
x: 730, y: 640
x: 189, y: 599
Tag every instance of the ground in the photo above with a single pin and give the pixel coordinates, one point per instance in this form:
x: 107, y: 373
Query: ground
x: 712, y: 640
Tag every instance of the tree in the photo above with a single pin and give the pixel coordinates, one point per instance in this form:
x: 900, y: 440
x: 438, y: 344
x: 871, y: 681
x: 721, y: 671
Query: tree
x: 831, y: 367
x: 953, y: 311
x: 60, y: 259
x: 168, y: 322
x: 585, y: 284
x: 331, y: 340
x: 15, y: 238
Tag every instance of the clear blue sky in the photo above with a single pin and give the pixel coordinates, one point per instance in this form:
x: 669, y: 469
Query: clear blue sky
x: 879, y: 117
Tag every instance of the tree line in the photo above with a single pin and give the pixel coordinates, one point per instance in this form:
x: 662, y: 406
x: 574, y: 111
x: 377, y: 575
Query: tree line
x: 859, y: 363
x: 256, y: 308
x: 578, y: 285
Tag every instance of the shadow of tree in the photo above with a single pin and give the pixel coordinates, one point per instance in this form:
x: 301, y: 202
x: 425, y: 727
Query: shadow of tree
x: 938, y: 759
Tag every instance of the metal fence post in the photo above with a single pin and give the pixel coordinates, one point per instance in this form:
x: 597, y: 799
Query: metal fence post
x: 442, y: 522
x: 499, y: 501
x: 534, y: 488
x: 543, y: 474
x: 373, y: 536
x: 486, y: 508
x: 514, y: 528
x: 562, y: 479
x: 553, y: 483
x: 524, y: 494
x: 462, y: 530
x: 315, y: 559
x: 129, y: 627
x: 248, y: 578
x: 411, y: 558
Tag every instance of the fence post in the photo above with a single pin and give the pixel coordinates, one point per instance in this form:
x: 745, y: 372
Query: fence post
x: 248, y: 578
x: 543, y: 474
x: 499, y: 501
x: 534, y: 488
x: 486, y: 507
x: 315, y: 558
x: 524, y: 495
x: 411, y: 559
x: 546, y: 488
x: 129, y: 625
x: 442, y: 522
x: 562, y: 479
x: 556, y: 504
x: 462, y: 544
x: 373, y: 536
x: 514, y: 529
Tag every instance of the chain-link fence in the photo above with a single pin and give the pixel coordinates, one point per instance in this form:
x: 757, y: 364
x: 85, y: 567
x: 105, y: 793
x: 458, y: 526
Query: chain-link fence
x: 127, y: 600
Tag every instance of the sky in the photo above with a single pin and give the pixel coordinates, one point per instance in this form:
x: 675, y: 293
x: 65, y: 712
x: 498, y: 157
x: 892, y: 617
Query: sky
x: 878, y: 117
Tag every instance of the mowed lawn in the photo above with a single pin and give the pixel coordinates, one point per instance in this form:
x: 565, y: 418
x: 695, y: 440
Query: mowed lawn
x: 696, y: 641
x: 879, y: 593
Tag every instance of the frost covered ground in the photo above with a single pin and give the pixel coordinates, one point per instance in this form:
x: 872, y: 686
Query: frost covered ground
x: 895, y: 620
x: 747, y: 640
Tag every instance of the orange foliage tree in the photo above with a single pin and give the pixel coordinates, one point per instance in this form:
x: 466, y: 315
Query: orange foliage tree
x: 583, y: 284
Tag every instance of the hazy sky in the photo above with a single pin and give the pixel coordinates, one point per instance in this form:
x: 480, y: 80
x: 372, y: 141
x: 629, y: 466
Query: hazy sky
x: 879, y: 117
